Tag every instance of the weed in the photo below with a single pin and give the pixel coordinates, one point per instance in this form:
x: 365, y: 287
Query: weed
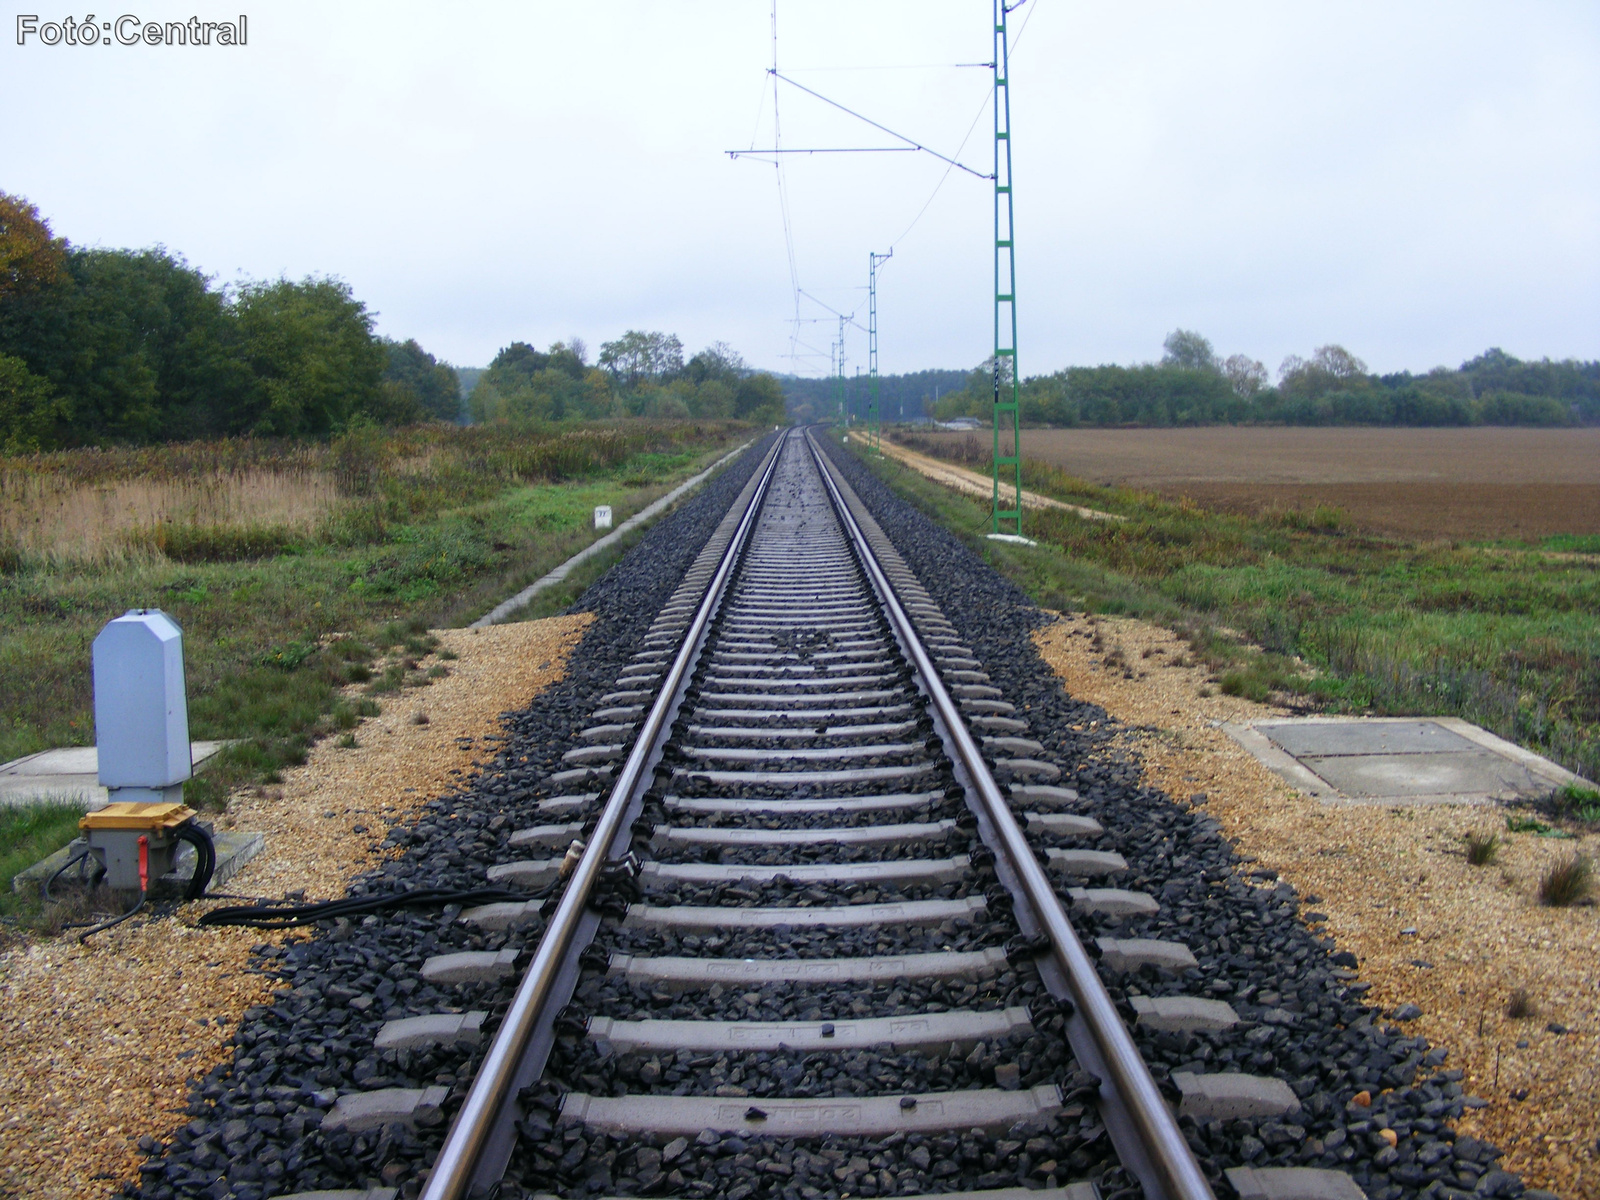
x: 1519, y: 1005
x: 1534, y: 826
x: 347, y: 741
x: 1567, y: 882
x: 1578, y: 802
x: 1482, y: 848
x: 1246, y: 684
x: 448, y: 655
x: 390, y: 681
x: 419, y: 717
x: 1206, y: 693
x: 438, y: 672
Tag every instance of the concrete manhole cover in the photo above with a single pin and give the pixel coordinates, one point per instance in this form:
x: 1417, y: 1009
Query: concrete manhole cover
x: 1405, y: 760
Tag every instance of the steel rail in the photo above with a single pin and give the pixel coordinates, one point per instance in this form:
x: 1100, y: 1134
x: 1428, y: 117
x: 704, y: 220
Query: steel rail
x: 453, y: 1171
x: 1158, y: 1131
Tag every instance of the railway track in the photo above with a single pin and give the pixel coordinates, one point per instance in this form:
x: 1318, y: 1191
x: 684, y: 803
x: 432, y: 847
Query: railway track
x: 803, y: 816
x: 831, y: 926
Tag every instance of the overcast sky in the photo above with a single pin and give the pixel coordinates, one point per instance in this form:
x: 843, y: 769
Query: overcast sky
x: 1415, y: 181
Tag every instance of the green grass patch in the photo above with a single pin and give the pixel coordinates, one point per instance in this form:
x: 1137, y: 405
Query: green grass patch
x: 1298, y: 604
x: 1573, y: 543
x: 1578, y: 803
x: 28, y: 833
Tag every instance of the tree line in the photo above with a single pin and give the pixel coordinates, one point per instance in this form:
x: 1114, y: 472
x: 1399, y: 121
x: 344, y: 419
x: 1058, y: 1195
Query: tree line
x: 903, y: 397
x: 641, y: 374
x: 135, y: 347
x: 1192, y: 385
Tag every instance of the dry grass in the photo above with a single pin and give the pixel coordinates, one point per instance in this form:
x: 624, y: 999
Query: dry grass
x: 1481, y: 848
x: 66, y: 520
x: 1566, y: 882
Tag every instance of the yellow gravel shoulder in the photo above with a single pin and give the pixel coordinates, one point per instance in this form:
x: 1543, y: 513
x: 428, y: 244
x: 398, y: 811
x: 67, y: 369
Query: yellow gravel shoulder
x: 97, y: 1043
x: 1378, y: 870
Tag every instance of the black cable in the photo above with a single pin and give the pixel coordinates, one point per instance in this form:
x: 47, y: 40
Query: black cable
x: 76, y: 860
x: 273, y: 915
x: 205, y: 858
x: 94, y: 929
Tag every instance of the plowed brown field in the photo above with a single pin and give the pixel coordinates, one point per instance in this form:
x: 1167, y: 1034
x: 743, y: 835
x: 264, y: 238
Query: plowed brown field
x: 1455, y: 483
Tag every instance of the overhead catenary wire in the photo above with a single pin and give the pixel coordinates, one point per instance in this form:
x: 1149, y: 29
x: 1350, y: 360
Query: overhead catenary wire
x: 971, y: 129
x: 777, y: 153
x: 783, y: 193
x: 911, y: 143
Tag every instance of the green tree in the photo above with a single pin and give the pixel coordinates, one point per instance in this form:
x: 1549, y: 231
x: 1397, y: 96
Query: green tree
x: 759, y: 398
x: 414, y: 378
x: 30, y: 257
x: 138, y: 343
x: 315, y: 361
x: 1188, y: 349
x: 32, y: 416
x: 638, y: 357
x: 1245, y: 374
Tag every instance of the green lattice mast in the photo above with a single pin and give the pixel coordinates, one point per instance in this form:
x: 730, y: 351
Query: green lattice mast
x: 1007, y: 378
x: 873, y: 259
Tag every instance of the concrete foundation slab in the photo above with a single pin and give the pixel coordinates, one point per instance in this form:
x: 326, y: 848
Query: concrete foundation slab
x: 497, y: 918
x: 1399, y: 760
x: 1028, y: 768
x: 931, y: 871
x: 70, y: 775
x: 1184, y: 1013
x: 1042, y: 793
x: 547, y: 835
